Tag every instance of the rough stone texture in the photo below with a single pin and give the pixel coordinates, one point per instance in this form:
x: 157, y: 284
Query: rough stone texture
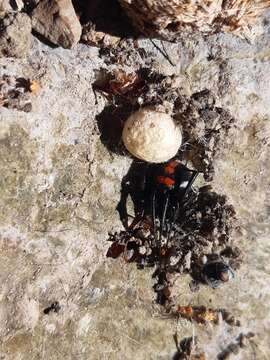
x: 57, y: 21
x: 170, y: 19
x: 60, y: 187
x: 10, y: 5
x: 15, y: 31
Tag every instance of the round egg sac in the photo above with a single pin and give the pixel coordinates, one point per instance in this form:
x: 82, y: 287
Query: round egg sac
x: 151, y: 135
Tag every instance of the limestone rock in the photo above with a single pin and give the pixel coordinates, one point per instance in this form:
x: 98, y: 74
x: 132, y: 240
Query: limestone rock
x: 169, y: 19
x: 56, y: 20
x: 15, y: 31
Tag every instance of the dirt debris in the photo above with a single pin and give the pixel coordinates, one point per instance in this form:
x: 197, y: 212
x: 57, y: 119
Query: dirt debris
x: 54, y: 307
x: 203, y: 315
x: 188, y: 349
x: 234, y: 347
x: 15, y: 93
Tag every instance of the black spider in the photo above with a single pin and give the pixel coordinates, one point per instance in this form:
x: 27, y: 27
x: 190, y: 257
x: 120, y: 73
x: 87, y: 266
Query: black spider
x: 169, y: 186
x: 159, y: 192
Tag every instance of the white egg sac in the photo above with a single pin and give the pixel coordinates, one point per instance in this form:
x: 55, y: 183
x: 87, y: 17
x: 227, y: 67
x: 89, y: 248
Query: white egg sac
x: 151, y: 135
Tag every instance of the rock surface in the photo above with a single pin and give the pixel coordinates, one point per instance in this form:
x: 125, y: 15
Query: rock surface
x: 57, y: 21
x: 58, y: 195
x: 170, y: 19
x: 15, y: 32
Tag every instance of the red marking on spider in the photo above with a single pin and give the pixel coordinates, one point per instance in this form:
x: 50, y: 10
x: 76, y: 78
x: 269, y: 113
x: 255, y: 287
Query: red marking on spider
x: 170, y: 168
x: 165, y: 180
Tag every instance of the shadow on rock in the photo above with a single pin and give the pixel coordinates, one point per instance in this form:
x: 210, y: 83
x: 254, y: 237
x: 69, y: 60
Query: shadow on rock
x: 107, y: 17
x: 110, y: 124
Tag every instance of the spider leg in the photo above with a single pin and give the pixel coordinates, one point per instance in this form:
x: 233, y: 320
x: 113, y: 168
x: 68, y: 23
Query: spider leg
x: 172, y: 223
x: 164, y: 212
x: 153, y: 206
x: 142, y: 193
x: 176, y: 212
x: 140, y: 201
x: 136, y: 220
x: 184, y: 202
x: 181, y: 201
x: 190, y: 183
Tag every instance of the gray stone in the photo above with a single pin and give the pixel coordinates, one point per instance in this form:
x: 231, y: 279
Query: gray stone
x: 57, y: 21
x: 15, y: 32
